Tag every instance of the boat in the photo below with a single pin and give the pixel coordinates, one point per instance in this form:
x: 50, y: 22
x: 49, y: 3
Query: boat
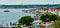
x: 6, y: 11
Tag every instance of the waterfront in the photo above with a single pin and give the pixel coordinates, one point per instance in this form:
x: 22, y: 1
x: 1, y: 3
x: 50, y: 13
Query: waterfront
x: 12, y: 16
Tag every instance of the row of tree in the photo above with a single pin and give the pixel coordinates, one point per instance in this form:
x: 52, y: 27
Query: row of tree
x: 27, y: 20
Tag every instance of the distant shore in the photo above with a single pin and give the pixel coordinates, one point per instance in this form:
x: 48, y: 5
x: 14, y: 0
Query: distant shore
x: 28, y: 6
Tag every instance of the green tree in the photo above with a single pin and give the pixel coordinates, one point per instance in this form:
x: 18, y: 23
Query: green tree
x: 48, y: 16
x: 58, y: 18
x: 27, y: 20
x: 53, y: 17
x: 44, y: 17
x: 56, y: 24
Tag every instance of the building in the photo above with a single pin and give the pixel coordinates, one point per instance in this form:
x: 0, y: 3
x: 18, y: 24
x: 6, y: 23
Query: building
x: 55, y: 10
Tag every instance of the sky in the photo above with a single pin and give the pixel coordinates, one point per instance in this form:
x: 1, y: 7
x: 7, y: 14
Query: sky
x: 26, y: 2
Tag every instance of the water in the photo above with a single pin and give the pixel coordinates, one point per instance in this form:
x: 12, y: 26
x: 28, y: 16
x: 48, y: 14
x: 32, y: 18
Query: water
x: 29, y: 6
x: 15, y: 14
x: 12, y: 16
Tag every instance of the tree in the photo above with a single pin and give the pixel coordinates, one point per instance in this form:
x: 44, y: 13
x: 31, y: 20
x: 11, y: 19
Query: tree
x: 58, y: 18
x: 56, y: 24
x: 48, y: 16
x: 44, y: 17
x: 53, y: 17
x: 27, y: 20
